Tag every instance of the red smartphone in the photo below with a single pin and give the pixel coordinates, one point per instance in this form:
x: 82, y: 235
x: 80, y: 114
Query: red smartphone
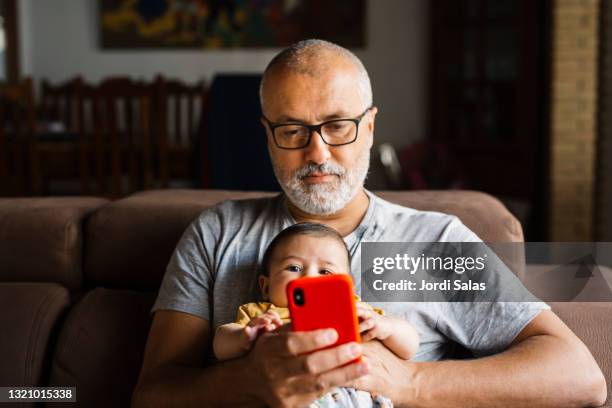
x: 323, y: 302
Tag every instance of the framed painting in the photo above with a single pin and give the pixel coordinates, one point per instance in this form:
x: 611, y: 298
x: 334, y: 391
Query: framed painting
x: 131, y: 24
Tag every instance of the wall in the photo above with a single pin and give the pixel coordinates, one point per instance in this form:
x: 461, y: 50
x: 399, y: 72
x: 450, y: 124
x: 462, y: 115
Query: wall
x: 603, y: 220
x: 573, y: 119
x: 59, y: 39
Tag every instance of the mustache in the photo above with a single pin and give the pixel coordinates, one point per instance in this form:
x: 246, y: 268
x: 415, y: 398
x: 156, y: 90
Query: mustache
x: 327, y: 168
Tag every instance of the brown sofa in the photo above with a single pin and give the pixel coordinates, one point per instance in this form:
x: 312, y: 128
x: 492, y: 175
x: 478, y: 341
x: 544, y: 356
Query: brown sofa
x: 78, y: 277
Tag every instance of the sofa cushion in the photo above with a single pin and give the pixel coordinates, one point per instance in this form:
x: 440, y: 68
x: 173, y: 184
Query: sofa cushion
x: 42, y: 239
x: 29, y: 316
x: 101, y: 346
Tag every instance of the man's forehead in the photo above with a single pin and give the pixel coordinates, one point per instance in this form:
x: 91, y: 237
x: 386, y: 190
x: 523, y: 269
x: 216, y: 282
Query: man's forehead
x: 299, y: 97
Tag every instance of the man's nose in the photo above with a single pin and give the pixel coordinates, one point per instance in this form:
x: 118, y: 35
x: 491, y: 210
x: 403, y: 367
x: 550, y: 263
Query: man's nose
x: 317, y: 150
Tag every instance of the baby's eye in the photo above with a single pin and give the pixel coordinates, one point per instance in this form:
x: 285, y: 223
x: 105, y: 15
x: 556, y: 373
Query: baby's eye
x: 294, y: 268
x: 325, y: 272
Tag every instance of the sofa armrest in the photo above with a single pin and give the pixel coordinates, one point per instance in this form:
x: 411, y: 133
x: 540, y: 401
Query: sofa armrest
x: 592, y: 323
x: 30, y: 315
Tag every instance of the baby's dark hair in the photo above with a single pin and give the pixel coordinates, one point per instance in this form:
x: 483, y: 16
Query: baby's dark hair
x: 302, y: 228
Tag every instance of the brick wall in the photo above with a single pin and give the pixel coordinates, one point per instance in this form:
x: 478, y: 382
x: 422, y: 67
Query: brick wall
x: 603, y: 220
x: 573, y: 119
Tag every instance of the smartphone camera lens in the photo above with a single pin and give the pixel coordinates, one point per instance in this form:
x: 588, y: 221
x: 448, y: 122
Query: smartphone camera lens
x: 298, y: 296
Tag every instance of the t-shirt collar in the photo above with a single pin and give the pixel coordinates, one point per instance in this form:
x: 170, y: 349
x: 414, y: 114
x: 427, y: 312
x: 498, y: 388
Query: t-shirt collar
x: 367, y: 223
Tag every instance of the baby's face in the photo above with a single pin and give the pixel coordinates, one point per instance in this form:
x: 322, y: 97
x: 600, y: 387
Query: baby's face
x: 299, y: 256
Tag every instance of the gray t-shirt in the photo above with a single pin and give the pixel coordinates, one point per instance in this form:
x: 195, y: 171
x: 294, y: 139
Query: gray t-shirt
x: 215, y: 266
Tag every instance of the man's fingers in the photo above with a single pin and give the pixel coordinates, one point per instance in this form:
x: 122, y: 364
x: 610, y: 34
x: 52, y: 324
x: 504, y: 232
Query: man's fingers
x: 296, y: 343
x: 361, y: 382
x: 337, y: 377
x: 323, y: 360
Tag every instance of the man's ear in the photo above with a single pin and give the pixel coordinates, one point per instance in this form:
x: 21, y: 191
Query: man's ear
x: 371, y: 120
x: 264, y: 285
x: 372, y: 115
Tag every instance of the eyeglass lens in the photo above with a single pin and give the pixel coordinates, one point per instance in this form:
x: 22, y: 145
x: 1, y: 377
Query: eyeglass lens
x: 333, y: 133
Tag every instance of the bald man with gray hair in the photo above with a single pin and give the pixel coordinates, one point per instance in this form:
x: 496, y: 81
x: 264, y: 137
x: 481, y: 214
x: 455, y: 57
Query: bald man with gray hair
x: 319, y: 121
x: 309, y: 57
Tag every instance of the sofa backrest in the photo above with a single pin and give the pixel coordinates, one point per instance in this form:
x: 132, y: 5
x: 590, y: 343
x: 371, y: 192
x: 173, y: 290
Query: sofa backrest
x: 480, y: 212
x: 127, y: 243
x: 130, y: 241
x: 42, y: 239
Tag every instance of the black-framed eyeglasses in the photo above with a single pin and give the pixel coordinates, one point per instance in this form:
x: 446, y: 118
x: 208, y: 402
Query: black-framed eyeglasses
x: 335, y: 132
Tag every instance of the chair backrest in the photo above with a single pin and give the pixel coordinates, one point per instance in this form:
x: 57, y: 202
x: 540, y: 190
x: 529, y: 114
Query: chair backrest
x: 178, y: 112
x: 58, y: 103
x: 120, y: 137
x: 17, y: 127
x: 183, y: 105
x: 85, y: 126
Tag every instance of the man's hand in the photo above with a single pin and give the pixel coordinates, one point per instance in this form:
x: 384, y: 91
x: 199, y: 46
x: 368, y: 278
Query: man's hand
x: 276, y: 372
x: 384, y: 370
x: 292, y: 374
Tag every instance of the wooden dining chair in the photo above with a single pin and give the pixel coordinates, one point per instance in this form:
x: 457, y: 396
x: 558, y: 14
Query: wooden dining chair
x: 121, y: 140
x: 85, y: 127
x: 18, y: 164
x: 58, y: 143
x: 58, y: 103
x: 178, y: 108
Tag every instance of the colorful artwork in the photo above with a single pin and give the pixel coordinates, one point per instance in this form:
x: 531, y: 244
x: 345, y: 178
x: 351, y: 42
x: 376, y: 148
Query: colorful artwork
x: 229, y: 23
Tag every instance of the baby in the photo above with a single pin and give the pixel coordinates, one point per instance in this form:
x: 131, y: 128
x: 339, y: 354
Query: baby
x: 309, y: 249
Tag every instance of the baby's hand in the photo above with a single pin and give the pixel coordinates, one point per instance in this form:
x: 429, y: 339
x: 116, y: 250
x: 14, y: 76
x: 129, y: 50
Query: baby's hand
x: 371, y: 324
x: 264, y: 323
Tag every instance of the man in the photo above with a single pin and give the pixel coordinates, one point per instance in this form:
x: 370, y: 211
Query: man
x: 318, y: 114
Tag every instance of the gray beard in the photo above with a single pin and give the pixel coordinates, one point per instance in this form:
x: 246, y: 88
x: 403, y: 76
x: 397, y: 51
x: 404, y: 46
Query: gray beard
x: 324, y: 198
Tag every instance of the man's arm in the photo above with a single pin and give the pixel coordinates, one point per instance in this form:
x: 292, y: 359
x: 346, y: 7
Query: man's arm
x: 171, y: 374
x: 276, y: 372
x: 546, y: 366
